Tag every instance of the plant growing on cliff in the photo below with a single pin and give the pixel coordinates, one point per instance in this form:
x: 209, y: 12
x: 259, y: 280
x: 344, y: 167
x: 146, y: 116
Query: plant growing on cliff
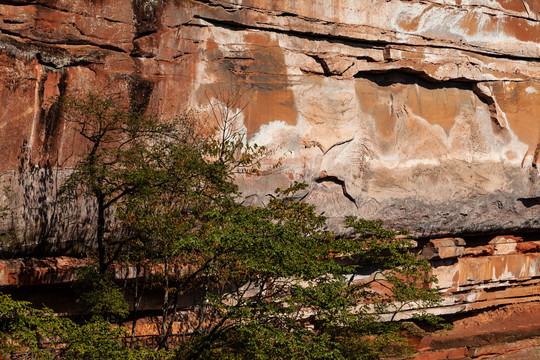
x: 190, y: 179
x: 272, y: 282
x: 25, y: 328
x: 275, y: 272
x: 267, y: 282
x: 115, y: 139
x: 99, y: 295
x: 40, y: 334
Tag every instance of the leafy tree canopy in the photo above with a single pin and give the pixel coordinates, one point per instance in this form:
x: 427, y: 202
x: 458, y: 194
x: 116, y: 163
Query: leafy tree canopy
x: 269, y: 282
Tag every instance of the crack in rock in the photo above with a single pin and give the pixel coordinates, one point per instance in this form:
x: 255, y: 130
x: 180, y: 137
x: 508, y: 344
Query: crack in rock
x: 337, y: 181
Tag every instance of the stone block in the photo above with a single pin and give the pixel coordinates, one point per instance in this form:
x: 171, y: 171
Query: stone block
x: 445, y: 248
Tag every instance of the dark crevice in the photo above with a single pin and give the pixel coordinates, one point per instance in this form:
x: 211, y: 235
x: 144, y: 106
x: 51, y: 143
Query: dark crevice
x: 18, y: 3
x: 101, y: 46
x: 66, y: 42
x: 139, y: 55
x: 411, y: 77
x: 175, y: 57
x: 338, y: 181
x: 9, y: 21
x: 308, y: 72
x: 234, y: 58
x: 286, y: 14
x: 143, y: 34
x: 482, y: 239
x: 113, y: 20
x: 530, y: 202
x: 322, y: 63
x: 338, y: 144
x: 188, y: 24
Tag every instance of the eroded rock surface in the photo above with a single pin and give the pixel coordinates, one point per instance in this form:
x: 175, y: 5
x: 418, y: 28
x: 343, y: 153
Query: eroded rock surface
x: 504, y: 333
x: 422, y: 113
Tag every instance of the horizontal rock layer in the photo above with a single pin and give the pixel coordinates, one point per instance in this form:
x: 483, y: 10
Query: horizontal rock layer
x: 470, y: 276
x: 505, y: 333
x: 424, y: 114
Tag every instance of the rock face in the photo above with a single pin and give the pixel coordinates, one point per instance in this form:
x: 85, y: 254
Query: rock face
x: 423, y: 114
x: 471, y: 276
x: 509, y: 332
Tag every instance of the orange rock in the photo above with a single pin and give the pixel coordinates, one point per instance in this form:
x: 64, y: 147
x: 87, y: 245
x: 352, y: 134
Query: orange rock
x: 529, y: 247
x: 426, y: 111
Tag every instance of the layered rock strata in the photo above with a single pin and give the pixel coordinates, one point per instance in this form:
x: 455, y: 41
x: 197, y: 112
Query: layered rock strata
x: 425, y: 114
x: 506, y: 333
x: 490, y: 286
x: 471, y: 276
x: 422, y: 113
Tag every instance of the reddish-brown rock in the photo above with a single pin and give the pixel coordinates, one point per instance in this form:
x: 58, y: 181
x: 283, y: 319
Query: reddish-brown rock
x: 509, y: 332
x: 443, y: 248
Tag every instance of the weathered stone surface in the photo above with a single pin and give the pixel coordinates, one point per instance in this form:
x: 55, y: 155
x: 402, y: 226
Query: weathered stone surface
x: 423, y: 114
x: 443, y: 248
x: 509, y: 332
x: 46, y: 271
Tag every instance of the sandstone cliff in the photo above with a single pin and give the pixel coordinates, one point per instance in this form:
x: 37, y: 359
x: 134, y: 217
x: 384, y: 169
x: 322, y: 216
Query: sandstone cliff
x: 425, y: 114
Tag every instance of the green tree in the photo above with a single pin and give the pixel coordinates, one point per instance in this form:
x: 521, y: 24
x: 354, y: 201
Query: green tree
x: 115, y: 139
x: 99, y: 295
x: 280, y: 286
x: 24, y: 328
x: 273, y: 281
x: 269, y: 282
x: 187, y: 179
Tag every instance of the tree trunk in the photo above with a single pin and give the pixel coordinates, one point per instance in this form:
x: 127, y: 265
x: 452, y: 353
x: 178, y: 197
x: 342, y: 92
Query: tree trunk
x: 136, y: 301
x: 165, y: 316
x: 101, y: 232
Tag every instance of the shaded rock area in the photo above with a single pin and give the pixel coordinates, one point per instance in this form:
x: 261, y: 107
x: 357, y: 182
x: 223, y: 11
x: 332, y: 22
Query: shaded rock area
x: 471, y: 277
x: 490, y: 286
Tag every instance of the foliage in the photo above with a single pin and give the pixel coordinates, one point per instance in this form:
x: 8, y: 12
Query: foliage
x: 275, y: 282
x: 279, y: 285
x: 115, y: 137
x: 23, y: 327
x: 26, y: 329
x: 98, y: 340
x: 268, y: 282
x: 99, y: 295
